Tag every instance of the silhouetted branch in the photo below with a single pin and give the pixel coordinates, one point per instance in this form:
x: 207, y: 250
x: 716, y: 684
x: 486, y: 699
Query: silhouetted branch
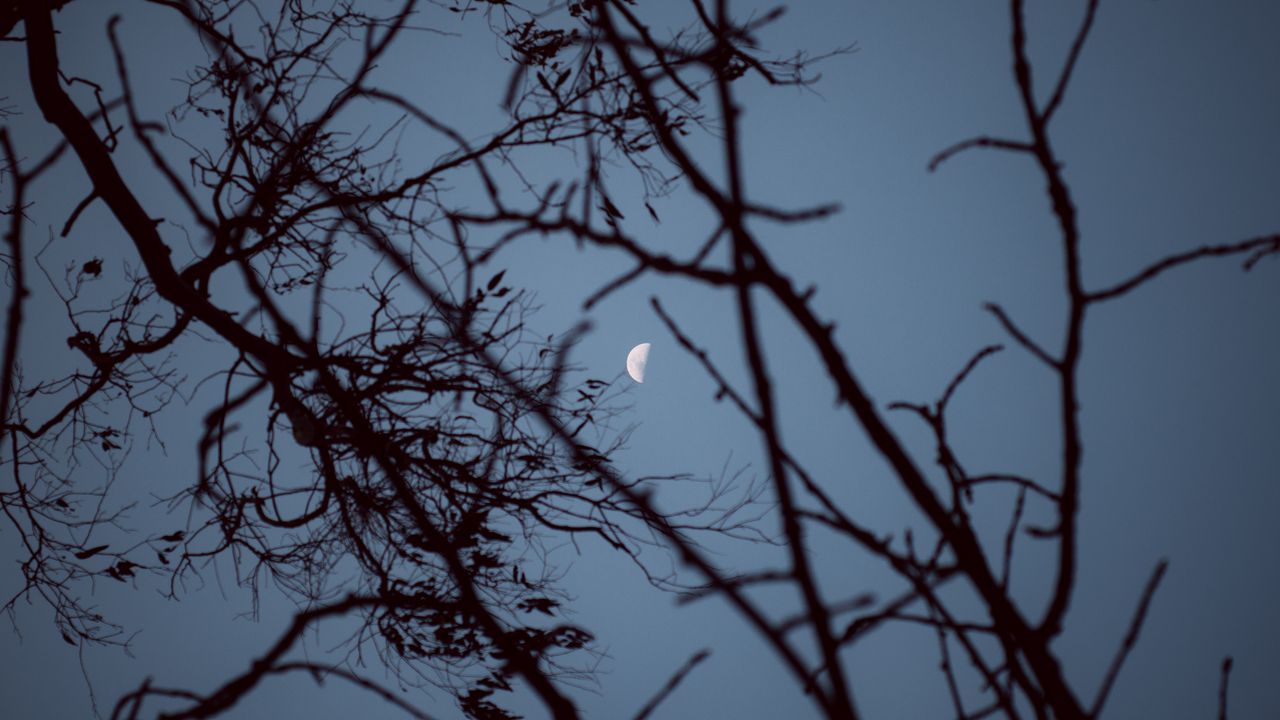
x: 234, y: 690
x: 1058, y: 695
x: 1130, y: 638
x: 1222, y: 687
x: 1011, y: 536
x: 1077, y: 44
x: 672, y: 683
x: 978, y: 142
x: 320, y: 672
x: 443, y: 437
x: 13, y: 238
x: 1016, y: 333
x: 1260, y: 245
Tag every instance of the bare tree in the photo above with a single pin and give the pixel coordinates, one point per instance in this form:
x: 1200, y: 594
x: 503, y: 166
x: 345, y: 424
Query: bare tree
x: 445, y: 439
x: 1007, y: 643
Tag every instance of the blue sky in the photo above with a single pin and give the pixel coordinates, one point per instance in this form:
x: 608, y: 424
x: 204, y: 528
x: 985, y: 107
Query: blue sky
x: 1170, y: 140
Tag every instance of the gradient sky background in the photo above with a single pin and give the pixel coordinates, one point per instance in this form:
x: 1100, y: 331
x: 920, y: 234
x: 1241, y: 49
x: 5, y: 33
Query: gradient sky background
x: 1171, y: 139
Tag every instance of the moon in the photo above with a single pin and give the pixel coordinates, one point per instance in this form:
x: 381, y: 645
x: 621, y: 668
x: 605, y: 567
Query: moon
x: 637, y: 359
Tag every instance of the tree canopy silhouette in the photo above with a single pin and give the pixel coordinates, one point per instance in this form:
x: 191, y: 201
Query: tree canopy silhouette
x: 352, y: 299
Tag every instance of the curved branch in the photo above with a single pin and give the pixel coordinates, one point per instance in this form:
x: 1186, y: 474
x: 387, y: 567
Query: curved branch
x: 1261, y: 244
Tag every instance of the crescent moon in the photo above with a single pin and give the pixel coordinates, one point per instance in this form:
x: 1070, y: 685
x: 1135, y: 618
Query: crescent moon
x: 637, y: 359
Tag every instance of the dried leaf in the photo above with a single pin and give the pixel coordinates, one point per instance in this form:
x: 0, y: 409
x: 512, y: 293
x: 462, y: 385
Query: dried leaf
x: 90, y: 552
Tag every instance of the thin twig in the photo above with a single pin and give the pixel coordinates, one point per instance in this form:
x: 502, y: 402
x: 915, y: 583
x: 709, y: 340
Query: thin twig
x: 1265, y: 243
x: 979, y: 142
x: 672, y: 683
x: 1130, y: 638
x: 1076, y: 46
x: 1222, y: 688
x: 1016, y: 333
x: 964, y: 373
x: 1011, y: 536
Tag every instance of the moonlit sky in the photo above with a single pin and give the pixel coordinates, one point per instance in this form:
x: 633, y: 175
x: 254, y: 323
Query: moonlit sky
x: 1170, y: 135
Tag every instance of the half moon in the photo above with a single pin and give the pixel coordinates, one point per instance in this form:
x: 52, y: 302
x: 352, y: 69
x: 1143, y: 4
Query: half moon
x: 637, y: 359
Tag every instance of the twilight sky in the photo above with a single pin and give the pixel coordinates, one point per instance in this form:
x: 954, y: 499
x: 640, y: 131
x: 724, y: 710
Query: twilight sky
x: 1170, y: 135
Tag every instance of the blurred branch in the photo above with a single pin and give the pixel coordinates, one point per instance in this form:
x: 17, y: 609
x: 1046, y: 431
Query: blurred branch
x: 1222, y: 687
x: 672, y: 683
x: 13, y: 238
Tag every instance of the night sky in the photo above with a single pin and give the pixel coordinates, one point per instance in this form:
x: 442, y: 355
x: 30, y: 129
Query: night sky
x: 1170, y: 135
